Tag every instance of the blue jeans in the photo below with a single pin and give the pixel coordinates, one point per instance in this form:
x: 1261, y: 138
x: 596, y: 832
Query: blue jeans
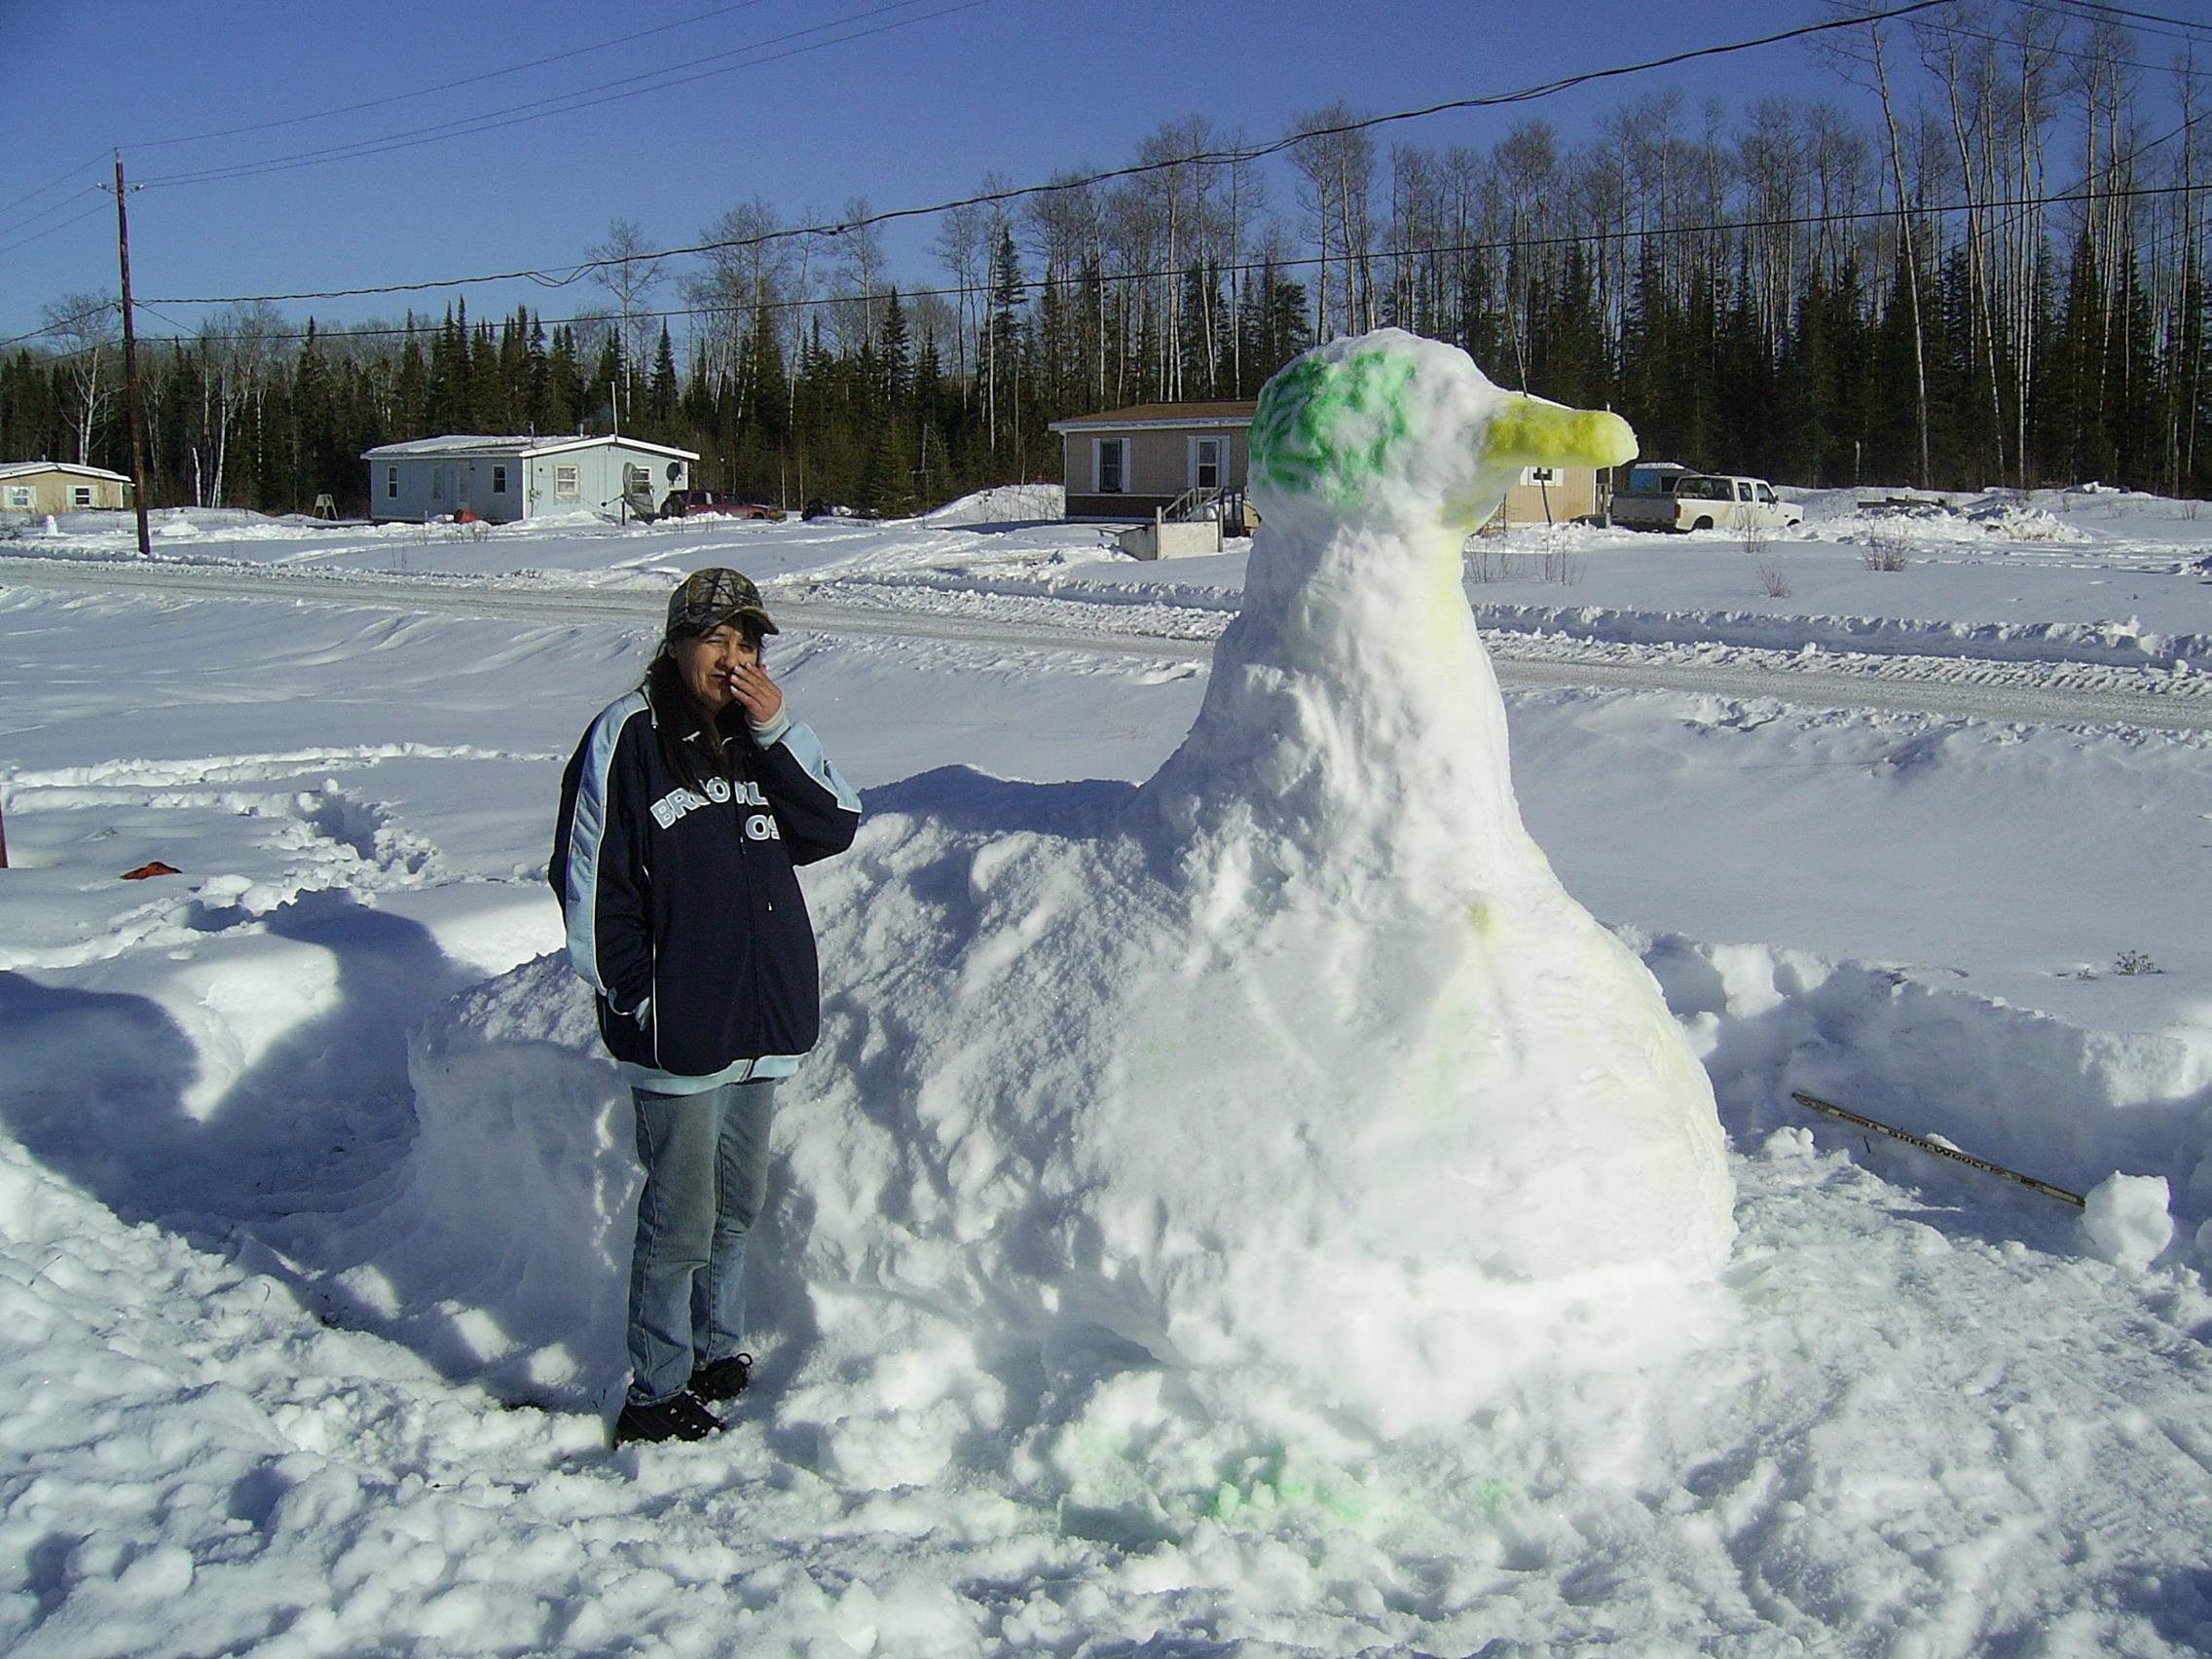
x: 706, y: 1163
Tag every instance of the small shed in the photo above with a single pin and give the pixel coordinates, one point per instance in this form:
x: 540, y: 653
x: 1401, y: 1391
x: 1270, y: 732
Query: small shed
x: 60, y: 487
x: 1550, y: 495
x: 1139, y: 462
x: 501, y: 480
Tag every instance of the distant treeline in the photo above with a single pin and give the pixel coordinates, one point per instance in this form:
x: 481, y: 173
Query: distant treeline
x: 2002, y: 284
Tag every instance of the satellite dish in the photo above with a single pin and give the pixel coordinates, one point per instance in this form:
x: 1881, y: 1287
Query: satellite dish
x: 675, y: 470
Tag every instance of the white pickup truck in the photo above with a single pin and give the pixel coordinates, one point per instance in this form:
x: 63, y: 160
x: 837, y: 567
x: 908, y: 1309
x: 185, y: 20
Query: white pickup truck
x: 1666, y: 498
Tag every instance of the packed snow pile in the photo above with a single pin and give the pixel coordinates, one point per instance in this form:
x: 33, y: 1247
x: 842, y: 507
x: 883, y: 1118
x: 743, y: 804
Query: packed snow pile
x: 505, y: 1253
x: 1343, y: 808
x: 1328, y: 1076
x: 1928, y: 517
x: 2015, y: 520
x: 1004, y: 503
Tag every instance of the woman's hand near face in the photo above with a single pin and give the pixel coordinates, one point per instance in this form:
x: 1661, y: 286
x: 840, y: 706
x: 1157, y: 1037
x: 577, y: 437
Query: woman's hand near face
x: 755, y: 692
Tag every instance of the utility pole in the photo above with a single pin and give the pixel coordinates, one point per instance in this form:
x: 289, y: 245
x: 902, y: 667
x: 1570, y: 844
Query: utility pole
x: 130, y: 367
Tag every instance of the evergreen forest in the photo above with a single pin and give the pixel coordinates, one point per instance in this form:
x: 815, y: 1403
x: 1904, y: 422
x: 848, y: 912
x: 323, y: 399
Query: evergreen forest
x: 1997, y: 281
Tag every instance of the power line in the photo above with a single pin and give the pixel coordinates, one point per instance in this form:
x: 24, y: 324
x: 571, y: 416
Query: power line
x: 1197, y: 157
x: 61, y: 323
x: 464, y: 125
x: 64, y: 178
x: 567, y: 104
x: 628, y: 37
x: 1225, y: 157
x: 2051, y: 48
x: 2077, y: 7
x: 12, y: 221
x: 52, y: 230
x: 1257, y: 265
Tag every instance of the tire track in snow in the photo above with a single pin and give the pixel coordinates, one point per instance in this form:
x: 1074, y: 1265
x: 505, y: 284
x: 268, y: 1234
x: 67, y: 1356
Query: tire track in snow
x: 1955, y: 687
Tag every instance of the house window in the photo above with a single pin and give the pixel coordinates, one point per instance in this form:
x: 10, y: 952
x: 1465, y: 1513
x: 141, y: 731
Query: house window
x: 1205, y: 463
x: 636, y: 480
x: 1111, y: 459
x: 1539, y: 475
x: 20, y: 497
x: 568, y: 481
x: 80, y: 495
x: 391, y: 483
x: 437, y: 483
x: 498, y: 481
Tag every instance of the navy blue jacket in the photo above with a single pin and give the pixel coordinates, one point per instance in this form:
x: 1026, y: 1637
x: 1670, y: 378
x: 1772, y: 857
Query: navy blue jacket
x: 682, y: 906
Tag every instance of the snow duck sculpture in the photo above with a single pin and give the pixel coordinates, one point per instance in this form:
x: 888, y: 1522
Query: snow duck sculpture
x: 1300, y: 1057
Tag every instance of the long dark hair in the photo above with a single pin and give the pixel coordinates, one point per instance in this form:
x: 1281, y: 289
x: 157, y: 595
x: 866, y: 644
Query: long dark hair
x: 677, y: 715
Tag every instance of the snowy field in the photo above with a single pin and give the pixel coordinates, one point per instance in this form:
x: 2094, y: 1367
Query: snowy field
x: 312, y: 1183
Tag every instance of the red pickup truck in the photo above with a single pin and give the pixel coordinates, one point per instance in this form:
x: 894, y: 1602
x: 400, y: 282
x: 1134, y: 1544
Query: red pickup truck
x: 723, y: 504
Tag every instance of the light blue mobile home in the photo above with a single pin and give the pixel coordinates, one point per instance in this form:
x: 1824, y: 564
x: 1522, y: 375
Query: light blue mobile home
x: 500, y: 480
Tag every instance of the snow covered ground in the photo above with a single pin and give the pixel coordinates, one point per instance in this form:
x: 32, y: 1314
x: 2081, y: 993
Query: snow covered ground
x: 307, y: 1174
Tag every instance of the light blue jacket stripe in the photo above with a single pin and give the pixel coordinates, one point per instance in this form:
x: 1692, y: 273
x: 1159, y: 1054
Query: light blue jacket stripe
x: 653, y: 1080
x: 587, y: 830
x: 806, y: 748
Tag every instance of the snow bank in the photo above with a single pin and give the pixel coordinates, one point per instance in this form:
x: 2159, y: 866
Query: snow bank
x: 935, y: 1267
x: 2123, y: 644
x: 505, y: 1252
x: 2017, y: 521
x: 1003, y: 503
x: 1929, y: 516
x: 2081, y: 1109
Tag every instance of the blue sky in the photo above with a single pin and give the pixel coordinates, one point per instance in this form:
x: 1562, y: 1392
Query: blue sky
x: 905, y: 103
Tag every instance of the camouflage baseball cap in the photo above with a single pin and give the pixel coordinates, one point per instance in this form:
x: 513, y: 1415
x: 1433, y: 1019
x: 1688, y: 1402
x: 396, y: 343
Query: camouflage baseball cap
x: 705, y: 600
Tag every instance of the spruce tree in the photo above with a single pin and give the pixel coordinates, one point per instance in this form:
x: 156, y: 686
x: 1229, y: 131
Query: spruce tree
x: 894, y: 356
x: 662, y: 391
x: 318, y: 466
x: 565, y: 389
x: 411, y: 393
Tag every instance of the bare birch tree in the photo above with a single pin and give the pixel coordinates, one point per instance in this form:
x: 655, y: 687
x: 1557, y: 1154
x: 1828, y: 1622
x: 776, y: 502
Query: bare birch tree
x: 857, y: 281
x: 1336, y: 173
x: 1862, y: 55
x: 629, y: 267
x: 746, y: 278
x: 962, y: 247
x: 87, y: 325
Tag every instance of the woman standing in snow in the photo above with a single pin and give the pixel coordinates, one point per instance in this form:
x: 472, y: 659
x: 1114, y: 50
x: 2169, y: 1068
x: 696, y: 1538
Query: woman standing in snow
x: 684, y: 813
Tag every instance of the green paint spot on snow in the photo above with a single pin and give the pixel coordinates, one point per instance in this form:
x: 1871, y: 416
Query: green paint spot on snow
x: 1328, y: 428
x: 1494, y: 1494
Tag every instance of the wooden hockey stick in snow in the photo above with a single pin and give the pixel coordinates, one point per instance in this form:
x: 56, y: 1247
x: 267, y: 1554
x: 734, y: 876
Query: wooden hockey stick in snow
x: 1938, y: 1147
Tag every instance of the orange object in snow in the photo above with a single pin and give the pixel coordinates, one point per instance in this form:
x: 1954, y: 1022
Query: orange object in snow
x: 157, y: 868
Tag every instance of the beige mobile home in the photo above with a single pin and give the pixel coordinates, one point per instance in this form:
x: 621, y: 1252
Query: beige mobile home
x: 1141, y: 462
x: 58, y: 486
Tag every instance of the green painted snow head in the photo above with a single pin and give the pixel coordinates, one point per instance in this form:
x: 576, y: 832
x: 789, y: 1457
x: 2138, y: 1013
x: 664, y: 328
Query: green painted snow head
x: 1396, y: 426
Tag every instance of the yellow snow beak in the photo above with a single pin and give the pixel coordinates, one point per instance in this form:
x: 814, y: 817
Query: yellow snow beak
x: 1531, y: 431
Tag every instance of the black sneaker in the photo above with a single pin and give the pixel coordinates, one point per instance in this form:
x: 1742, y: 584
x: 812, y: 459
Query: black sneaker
x: 722, y: 1378
x: 680, y: 1418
